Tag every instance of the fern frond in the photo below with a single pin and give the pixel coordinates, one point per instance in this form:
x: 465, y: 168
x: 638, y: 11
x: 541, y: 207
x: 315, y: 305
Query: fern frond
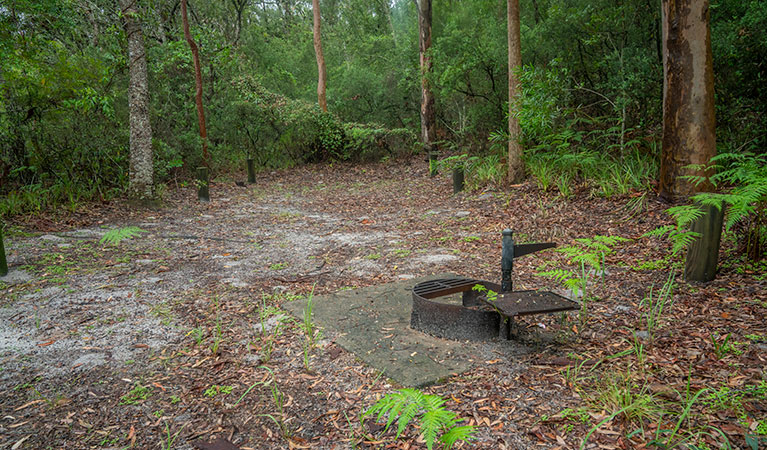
x: 558, y: 275
x: 117, y: 235
x: 432, y: 422
x: 455, y: 434
x: 684, y: 215
x: 660, y: 231
x: 406, y: 416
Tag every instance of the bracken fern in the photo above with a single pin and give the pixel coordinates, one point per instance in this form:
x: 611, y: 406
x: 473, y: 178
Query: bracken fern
x: 407, y: 405
x: 117, y: 235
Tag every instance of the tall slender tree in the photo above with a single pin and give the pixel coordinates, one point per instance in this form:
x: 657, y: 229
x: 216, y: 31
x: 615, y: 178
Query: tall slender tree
x: 516, y: 166
x: 428, y: 124
x: 689, y: 126
x: 321, y: 79
x: 141, y: 166
x: 198, y: 84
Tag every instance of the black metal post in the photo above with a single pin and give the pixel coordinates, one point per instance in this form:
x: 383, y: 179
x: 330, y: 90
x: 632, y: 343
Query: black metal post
x: 507, y: 260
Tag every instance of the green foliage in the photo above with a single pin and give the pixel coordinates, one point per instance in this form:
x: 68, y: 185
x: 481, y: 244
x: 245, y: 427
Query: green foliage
x: 589, y: 255
x: 746, y: 200
x: 136, y: 395
x: 679, y: 233
x: 411, y: 405
x: 656, y: 303
x: 117, y: 235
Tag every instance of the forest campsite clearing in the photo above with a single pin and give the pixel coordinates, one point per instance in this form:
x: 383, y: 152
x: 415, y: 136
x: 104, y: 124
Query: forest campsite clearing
x: 174, y: 331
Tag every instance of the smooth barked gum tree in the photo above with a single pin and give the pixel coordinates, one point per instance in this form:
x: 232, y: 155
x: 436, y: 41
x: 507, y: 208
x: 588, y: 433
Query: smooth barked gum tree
x: 322, y: 72
x: 141, y: 169
x: 516, y: 166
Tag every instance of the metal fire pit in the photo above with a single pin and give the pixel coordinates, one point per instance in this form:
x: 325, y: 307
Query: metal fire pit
x: 479, y: 318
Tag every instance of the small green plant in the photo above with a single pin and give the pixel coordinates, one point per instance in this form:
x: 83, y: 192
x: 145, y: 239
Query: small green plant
x: 198, y: 334
x: 589, y: 254
x: 136, y: 395
x: 722, y: 346
x: 117, y: 235
x: 656, y: 303
x: 167, y: 443
x: 216, y: 389
x: 278, y: 266
x: 373, y: 256
x: 470, y: 239
x: 307, y: 325
x: 411, y: 405
x: 401, y: 253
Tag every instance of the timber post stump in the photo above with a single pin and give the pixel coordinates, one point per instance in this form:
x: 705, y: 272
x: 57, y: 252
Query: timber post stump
x: 703, y: 254
x: 203, y: 193
x: 3, y: 262
x: 458, y: 181
x: 251, y: 170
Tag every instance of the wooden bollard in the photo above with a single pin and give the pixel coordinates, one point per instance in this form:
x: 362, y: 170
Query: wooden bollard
x: 433, y: 155
x: 458, y: 179
x: 703, y: 254
x: 3, y: 262
x: 203, y: 194
x: 251, y: 171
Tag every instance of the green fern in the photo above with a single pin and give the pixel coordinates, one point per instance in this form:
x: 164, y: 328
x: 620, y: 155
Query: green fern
x: 679, y: 234
x: 117, y: 235
x: 746, y: 201
x: 410, y: 405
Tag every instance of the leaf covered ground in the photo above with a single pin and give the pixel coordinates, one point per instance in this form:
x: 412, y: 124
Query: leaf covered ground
x: 172, y: 334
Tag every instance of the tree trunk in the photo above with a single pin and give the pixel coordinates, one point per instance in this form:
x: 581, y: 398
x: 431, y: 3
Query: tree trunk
x: 141, y: 166
x: 689, y: 126
x: 516, y: 166
x: 198, y: 83
x: 428, y: 128
x: 320, y: 58
x: 703, y: 253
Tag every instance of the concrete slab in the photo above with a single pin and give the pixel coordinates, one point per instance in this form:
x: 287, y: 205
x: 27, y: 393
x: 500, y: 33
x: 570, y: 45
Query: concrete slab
x: 374, y: 324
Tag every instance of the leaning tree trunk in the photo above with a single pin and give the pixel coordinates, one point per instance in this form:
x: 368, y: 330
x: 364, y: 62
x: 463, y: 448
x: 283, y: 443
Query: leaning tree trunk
x: 516, y: 167
x: 141, y: 166
x: 428, y: 125
x: 689, y: 126
x: 198, y: 83
x: 321, y: 79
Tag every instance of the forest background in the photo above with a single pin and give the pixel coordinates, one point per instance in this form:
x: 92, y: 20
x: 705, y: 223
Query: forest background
x: 590, y: 108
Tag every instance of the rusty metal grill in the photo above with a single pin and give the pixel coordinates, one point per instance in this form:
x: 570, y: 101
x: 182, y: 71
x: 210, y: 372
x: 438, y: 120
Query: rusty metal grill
x: 477, y: 317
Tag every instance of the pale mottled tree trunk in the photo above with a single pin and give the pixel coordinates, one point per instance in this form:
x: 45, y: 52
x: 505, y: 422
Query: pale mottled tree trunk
x: 321, y: 79
x: 428, y: 124
x: 198, y: 83
x: 141, y: 166
x: 516, y: 166
x: 689, y: 126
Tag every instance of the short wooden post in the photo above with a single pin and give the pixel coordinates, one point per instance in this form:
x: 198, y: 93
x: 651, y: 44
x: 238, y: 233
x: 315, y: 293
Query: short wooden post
x: 3, y: 262
x: 251, y: 171
x: 457, y: 179
x: 203, y: 194
x: 703, y: 254
x: 433, y: 155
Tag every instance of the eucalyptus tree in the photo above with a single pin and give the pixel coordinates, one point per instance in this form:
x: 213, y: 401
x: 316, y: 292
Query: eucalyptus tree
x: 516, y: 166
x: 321, y: 70
x: 689, y: 124
x: 141, y: 165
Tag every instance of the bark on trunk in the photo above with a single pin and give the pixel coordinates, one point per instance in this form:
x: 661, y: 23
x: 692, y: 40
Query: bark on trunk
x: 516, y: 166
x: 428, y: 128
x: 689, y: 126
x: 141, y: 166
x: 320, y: 58
x: 198, y: 83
